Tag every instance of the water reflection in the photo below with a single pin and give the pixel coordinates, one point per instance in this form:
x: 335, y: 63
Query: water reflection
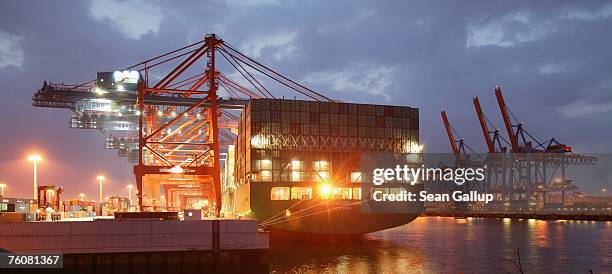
x: 433, y: 245
x: 368, y: 254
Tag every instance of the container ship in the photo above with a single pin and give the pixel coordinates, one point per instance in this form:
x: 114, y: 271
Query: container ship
x: 305, y: 166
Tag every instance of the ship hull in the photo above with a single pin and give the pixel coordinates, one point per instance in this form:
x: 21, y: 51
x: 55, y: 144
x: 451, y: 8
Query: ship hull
x: 322, y: 217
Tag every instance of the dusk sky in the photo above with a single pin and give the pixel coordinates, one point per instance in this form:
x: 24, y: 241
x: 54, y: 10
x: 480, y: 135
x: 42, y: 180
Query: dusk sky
x: 551, y: 58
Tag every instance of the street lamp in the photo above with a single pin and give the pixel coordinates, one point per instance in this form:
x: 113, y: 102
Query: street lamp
x: 101, y: 180
x: 2, y: 186
x: 82, y: 196
x: 35, y: 158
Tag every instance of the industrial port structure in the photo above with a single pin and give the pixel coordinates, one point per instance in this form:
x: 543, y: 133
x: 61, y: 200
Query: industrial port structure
x: 172, y: 128
x: 523, y: 172
x: 175, y: 115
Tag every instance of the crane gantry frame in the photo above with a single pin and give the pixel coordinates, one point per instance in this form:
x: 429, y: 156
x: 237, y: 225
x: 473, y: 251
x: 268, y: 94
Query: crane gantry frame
x: 181, y: 118
x: 524, y: 169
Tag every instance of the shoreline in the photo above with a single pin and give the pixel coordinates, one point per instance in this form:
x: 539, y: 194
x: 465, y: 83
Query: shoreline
x: 522, y: 215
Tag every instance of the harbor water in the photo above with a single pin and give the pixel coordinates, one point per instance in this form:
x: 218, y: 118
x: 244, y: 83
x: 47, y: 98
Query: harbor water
x: 450, y: 245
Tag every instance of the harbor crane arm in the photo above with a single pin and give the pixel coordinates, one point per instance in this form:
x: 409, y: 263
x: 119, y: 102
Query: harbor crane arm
x: 506, y: 117
x: 483, y: 125
x: 451, y: 138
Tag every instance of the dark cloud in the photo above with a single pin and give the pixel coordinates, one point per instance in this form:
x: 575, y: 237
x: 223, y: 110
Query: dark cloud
x: 551, y: 59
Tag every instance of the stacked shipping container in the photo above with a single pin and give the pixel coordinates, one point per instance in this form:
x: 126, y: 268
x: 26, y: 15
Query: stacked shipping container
x: 287, y: 140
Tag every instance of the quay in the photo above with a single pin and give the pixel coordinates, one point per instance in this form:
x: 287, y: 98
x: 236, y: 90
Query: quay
x: 143, y: 245
x: 538, y: 215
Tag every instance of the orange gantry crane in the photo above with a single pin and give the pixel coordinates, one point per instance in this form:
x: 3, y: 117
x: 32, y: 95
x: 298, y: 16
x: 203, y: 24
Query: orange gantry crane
x: 192, y: 146
x: 181, y: 117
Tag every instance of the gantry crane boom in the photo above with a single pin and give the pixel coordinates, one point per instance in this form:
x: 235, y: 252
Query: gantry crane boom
x: 451, y: 138
x: 483, y: 125
x: 174, y: 127
x: 506, y: 117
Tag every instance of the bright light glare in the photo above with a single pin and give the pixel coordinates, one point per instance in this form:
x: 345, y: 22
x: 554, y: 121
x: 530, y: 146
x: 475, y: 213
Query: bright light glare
x: 413, y: 147
x: 325, y: 190
x: 34, y: 158
x: 98, y: 90
x: 120, y: 88
x: 176, y: 169
x: 101, y: 178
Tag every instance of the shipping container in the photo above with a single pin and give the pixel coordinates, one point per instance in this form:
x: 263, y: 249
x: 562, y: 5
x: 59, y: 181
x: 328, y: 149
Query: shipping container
x: 294, y: 131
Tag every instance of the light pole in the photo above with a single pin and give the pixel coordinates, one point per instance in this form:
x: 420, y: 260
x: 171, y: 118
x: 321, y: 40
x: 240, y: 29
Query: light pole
x: 82, y: 196
x: 2, y: 186
x: 35, y: 158
x: 101, y: 180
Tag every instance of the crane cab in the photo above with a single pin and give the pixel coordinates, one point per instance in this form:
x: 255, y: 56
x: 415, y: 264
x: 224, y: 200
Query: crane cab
x: 117, y: 81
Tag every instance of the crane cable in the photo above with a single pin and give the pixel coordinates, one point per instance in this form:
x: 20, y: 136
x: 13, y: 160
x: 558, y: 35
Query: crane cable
x: 247, y: 72
x: 243, y: 58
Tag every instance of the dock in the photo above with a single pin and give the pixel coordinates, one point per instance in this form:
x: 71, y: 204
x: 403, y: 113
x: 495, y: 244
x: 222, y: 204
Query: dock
x: 145, y: 245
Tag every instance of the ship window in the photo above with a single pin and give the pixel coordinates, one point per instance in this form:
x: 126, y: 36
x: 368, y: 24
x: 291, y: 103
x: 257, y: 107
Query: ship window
x: 266, y: 175
x: 342, y: 193
x: 356, y: 193
x: 296, y: 165
x: 279, y: 193
x: 356, y: 177
x: 321, y: 165
x: 297, y: 176
x: 266, y: 164
x: 301, y: 193
x: 323, y: 176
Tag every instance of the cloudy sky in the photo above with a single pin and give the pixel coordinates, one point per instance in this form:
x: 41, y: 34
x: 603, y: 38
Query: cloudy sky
x: 551, y: 58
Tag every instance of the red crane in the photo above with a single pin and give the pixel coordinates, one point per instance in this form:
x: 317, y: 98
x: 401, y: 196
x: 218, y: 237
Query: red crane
x: 451, y: 138
x: 496, y: 139
x: 526, y: 138
x: 457, y: 150
x: 483, y: 125
x: 506, y: 117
